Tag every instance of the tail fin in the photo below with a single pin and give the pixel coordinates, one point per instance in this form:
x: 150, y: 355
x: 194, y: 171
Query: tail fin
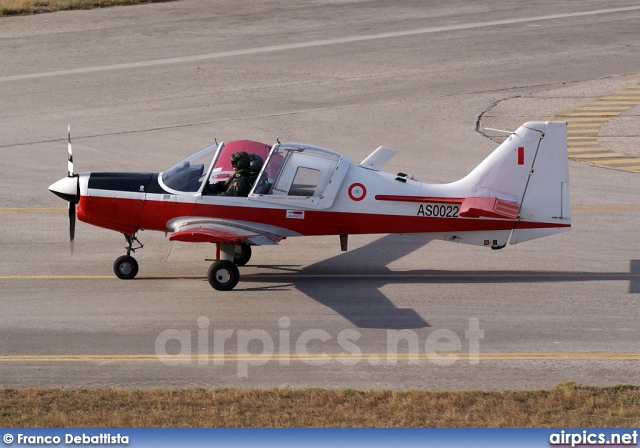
x: 529, y: 169
x: 546, y: 197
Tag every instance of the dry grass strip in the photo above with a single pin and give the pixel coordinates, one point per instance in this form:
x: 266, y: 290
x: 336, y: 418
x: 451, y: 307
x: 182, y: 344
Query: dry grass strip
x: 26, y: 7
x: 566, y: 405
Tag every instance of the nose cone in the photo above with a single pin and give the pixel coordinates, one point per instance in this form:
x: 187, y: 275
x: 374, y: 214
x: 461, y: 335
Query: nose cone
x: 66, y: 188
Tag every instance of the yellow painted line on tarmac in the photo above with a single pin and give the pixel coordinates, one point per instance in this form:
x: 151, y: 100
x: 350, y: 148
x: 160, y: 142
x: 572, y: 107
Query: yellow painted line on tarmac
x: 589, y: 141
x: 584, y: 125
x: 620, y: 160
x: 321, y: 357
x: 591, y: 114
x: 585, y: 122
x: 631, y: 98
x: 601, y: 108
x: 32, y: 210
x: 606, y: 207
x: 603, y: 155
x: 393, y: 275
x: 54, y: 277
x: 632, y: 103
x: 588, y: 120
x: 586, y: 149
x: 631, y: 168
x: 589, y: 144
x: 599, y: 154
x: 577, y: 131
x: 573, y: 128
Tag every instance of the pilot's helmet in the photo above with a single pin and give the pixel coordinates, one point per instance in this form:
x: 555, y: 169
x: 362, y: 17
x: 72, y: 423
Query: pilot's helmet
x: 256, y: 162
x: 240, y: 160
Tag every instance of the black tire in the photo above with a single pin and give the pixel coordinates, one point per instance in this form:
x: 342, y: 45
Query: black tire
x: 242, y: 258
x: 125, y: 267
x: 223, y: 275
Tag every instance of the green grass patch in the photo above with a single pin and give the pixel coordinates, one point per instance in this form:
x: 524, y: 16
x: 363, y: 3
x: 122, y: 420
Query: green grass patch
x: 566, y: 405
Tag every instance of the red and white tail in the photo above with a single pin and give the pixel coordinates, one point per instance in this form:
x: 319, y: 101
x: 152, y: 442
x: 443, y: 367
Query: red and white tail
x: 527, y: 176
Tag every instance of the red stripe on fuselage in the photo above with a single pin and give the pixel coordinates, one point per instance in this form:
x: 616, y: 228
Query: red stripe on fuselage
x: 127, y: 215
x: 385, y: 197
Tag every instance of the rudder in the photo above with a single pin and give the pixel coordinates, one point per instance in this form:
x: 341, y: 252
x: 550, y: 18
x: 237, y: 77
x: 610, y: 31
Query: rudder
x: 546, y: 196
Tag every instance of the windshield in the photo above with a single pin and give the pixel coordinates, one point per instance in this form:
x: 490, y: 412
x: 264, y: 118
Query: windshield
x: 187, y: 176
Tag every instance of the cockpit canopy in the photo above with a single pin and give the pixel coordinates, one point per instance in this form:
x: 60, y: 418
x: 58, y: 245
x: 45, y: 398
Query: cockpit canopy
x: 311, y: 174
x: 214, y: 161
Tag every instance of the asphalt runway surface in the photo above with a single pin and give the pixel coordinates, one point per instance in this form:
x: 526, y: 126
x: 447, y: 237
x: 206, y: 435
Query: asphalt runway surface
x: 145, y: 86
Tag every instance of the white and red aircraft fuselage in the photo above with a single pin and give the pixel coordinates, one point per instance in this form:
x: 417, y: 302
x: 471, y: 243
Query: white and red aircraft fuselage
x: 518, y: 193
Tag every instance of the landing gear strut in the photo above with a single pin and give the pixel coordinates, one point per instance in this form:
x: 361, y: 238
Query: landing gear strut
x: 223, y: 274
x: 126, y: 267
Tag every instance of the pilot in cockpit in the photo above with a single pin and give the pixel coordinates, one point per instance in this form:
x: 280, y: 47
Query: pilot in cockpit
x: 255, y: 167
x: 239, y: 183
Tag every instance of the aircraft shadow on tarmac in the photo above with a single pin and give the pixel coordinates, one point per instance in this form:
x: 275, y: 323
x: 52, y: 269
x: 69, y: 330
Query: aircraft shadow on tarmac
x: 331, y: 283
x: 351, y: 287
x: 634, y: 282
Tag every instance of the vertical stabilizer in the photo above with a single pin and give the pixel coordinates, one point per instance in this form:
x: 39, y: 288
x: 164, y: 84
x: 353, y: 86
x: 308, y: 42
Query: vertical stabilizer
x: 504, y: 174
x: 526, y: 179
x: 546, y: 196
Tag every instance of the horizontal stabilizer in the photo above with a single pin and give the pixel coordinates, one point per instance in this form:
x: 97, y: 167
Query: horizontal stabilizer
x: 378, y: 158
x: 488, y: 208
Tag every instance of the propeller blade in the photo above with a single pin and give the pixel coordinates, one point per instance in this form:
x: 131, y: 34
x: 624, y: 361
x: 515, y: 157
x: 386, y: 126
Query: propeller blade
x: 70, y: 151
x: 72, y: 224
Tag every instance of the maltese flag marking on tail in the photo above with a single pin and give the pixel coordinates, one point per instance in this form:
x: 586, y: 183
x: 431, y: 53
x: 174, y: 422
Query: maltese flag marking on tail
x: 520, y: 155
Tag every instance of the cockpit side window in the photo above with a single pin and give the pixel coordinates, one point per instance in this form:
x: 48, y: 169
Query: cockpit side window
x: 305, y: 182
x: 301, y: 176
x: 297, y: 171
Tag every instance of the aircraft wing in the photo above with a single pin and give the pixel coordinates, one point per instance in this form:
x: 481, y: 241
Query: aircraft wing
x: 214, y: 230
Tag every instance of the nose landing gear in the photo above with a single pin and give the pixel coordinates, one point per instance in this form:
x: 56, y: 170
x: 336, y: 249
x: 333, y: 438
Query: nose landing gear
x: 126, y: 267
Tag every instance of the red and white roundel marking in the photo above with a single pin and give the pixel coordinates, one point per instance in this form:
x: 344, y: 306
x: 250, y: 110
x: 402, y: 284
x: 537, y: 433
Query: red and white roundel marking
x: 357, y: 192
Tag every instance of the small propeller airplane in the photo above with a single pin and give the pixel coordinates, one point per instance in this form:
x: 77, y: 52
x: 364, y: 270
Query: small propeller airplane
x: 518, y: 193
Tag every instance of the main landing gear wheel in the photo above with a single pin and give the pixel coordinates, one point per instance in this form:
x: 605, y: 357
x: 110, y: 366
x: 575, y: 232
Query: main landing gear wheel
x: 125, y: 267
x: 241, y: 258
x: 223, y: 275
